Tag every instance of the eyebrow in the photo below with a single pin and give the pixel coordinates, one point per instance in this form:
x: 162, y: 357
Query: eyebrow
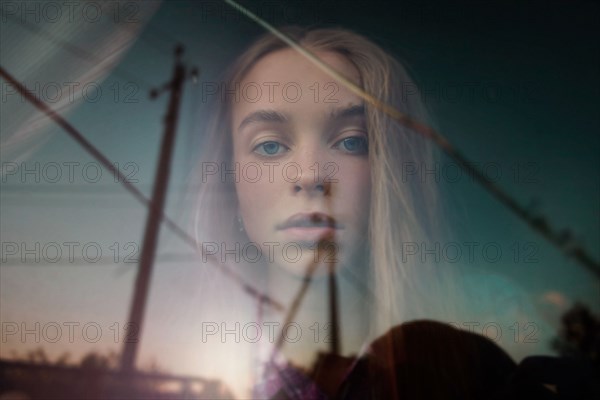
x: 357, y: 110
x: 263, y: 116
x: 276, y: 116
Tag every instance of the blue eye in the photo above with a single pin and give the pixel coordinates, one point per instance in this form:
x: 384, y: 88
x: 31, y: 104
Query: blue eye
x: 269, y: 148
x: 354, y: 145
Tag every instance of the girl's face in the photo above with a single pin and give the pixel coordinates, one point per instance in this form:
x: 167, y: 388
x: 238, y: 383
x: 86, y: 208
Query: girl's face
x: 300, y: 147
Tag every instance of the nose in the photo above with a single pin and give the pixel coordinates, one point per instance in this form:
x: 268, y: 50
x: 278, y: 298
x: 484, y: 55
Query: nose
x: 311, y: 177
x: 309, y: 187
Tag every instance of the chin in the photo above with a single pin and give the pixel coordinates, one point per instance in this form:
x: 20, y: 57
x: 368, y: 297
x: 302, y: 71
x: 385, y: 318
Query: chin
x: 321, y: 257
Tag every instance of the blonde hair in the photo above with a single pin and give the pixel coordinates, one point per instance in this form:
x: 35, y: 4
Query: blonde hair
x: 401, y: 211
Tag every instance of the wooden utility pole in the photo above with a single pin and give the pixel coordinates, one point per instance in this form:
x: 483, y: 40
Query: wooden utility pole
x: 151, y: 234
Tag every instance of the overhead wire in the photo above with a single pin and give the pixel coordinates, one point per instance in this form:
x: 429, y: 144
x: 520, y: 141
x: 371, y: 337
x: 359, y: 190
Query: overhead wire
x: 100, y: 157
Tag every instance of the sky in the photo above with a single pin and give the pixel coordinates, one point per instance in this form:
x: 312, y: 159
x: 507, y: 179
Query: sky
x: 514, y: 87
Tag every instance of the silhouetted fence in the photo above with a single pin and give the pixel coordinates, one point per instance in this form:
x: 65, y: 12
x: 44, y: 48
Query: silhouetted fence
x: 38, y: 381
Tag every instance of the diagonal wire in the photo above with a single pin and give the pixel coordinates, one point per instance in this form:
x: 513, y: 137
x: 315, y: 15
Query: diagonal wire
x: 310, y: 270
x: 95, y: 153
x: 538, y: 223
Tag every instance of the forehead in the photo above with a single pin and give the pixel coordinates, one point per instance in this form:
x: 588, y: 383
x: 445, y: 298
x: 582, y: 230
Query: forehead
x: 287, y: 81
x: 288, y: 64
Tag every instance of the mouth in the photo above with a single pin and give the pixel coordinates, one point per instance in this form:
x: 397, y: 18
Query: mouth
x: 310, y: 227
x: 309, y: 220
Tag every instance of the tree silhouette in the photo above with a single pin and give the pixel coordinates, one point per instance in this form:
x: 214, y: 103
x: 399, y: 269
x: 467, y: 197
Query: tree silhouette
x: 579, y: 336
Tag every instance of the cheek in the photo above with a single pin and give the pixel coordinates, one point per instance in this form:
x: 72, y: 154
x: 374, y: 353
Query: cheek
x: 355, y: 187
x: 250, y: 196
x: 257, y: 203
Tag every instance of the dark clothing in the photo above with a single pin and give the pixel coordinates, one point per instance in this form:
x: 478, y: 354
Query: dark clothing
x: 431, y: 360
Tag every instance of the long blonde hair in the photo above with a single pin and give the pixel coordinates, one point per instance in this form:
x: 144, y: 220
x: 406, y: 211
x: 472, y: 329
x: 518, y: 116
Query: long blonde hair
x: 402, y: 211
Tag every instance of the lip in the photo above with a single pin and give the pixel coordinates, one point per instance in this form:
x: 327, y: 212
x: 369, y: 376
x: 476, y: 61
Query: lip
x: 311, y: 226
x: 309, y: 220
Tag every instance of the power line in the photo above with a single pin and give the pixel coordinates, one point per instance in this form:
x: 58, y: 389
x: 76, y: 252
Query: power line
x: 95, y: 153
x: 104, y: 261
x: 81, y: 188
